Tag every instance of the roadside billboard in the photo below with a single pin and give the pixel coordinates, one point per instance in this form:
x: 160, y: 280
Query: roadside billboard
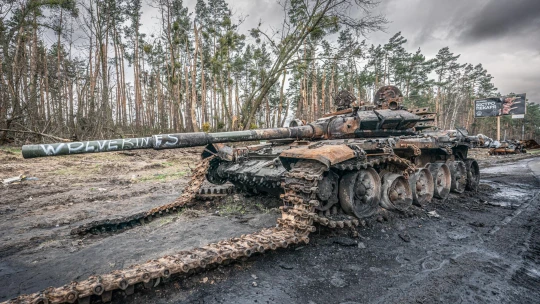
x: 514, y: 105
x: 487, y: 107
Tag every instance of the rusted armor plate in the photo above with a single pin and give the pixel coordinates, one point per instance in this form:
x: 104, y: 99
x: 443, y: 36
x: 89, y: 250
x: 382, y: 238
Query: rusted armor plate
x: 326, y: 154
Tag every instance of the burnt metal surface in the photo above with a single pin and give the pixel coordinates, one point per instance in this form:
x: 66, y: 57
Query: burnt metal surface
x: 343, y: 100
x: 388, y: 97
x: 326, y: 154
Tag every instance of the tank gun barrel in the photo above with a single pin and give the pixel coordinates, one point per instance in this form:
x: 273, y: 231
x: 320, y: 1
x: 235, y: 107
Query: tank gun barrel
x: 169, y: 141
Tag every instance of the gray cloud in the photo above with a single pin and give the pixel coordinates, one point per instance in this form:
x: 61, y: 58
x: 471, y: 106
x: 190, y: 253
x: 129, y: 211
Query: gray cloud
x: 510, y: 52
x: 500, y: 19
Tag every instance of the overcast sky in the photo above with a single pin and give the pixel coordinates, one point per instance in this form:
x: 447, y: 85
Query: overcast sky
x: 503, y: 35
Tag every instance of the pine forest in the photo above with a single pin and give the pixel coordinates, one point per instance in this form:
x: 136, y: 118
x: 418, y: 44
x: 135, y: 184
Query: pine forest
x: 86, y: 69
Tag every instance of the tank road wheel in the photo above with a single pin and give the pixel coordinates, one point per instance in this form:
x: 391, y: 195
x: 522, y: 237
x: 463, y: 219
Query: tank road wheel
x: 396, y: 192
x: 441, y: 179
x: 459, y: 176
x: 328, y: 190
x: 360, y: 192
x: 212, y: 174
x: 422, y: 187
x: 473, y: 174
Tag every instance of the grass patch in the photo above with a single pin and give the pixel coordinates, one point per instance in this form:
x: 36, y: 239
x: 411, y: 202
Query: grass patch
x: 161, y: 177
x: 165, y: 221
x: 534, y: 152
x: 11, y: 150
x: 96, y: 168
x: 190, y: 213
x: 231, y: 207
x: 161, y: 221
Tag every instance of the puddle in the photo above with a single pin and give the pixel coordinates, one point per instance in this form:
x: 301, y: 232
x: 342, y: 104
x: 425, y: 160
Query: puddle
x: 431, y: 265
x: 507, y: 195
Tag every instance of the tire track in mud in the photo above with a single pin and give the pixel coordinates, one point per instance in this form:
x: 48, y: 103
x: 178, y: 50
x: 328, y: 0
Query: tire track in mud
x: 23, y: 195
x: 516, y: 213
x: 528, y: 275
x: 34, y: 242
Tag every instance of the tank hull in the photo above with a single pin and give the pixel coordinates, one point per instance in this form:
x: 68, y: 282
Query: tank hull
x: 260, y: 169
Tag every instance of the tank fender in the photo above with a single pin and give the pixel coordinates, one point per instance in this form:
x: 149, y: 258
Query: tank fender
x: 326, y: 154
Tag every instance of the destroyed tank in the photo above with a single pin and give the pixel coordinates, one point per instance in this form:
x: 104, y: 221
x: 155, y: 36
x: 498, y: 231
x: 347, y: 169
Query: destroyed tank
x: 336, y: 171
x: 374, y: 155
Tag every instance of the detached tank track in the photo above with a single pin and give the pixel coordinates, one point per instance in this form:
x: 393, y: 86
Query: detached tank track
x: 186, y: 199
x: 300, y: 200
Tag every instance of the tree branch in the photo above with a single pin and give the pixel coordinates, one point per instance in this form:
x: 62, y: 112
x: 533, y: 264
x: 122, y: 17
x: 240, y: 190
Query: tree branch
x: 38, y: 133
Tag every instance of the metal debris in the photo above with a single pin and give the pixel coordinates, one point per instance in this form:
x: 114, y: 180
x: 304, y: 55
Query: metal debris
x: 433, y: 214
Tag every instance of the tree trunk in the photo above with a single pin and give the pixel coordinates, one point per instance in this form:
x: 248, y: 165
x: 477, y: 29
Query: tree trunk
x: 193, y: 100
x: 281, y: 97
x: 137, y: 84
x: 331, y: 90
x: 188, y: 118
x: 324, y: 106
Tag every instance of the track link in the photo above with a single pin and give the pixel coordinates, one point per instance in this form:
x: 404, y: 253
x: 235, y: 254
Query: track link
x: 215, y: 191
x: 300, y: 200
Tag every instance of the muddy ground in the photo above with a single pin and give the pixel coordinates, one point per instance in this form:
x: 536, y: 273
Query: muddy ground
x: 480, y: 248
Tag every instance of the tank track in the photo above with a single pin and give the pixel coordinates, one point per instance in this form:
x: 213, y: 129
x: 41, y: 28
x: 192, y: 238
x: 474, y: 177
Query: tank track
x: 331, y: 222
x: 185, y: 200
x: 402, y: 163
x: 215, y: 191
x: 300, y: 200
